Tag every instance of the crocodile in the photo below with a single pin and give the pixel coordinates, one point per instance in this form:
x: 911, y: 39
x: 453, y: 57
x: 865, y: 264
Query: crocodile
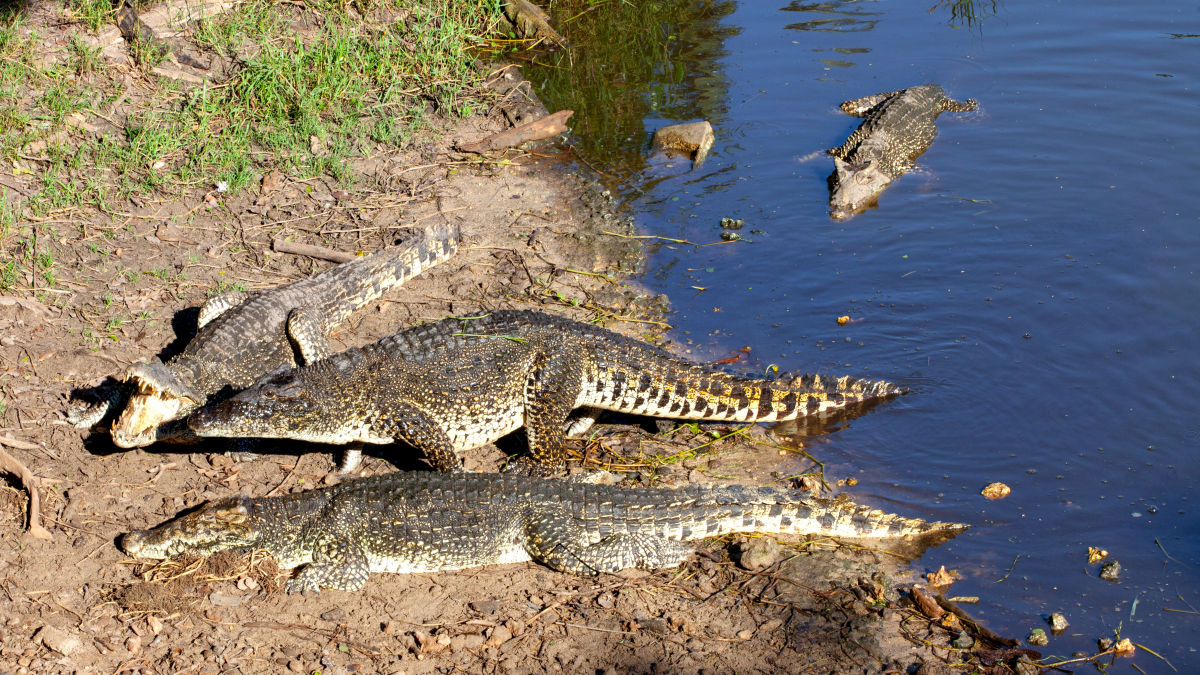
x: 424, y: 521
x: 899, y: 126
x: 506, y: 370
x: 243, y: 335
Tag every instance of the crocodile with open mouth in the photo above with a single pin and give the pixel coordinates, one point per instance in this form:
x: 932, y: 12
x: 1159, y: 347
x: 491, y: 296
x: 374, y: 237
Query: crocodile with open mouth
x: 242, y: 336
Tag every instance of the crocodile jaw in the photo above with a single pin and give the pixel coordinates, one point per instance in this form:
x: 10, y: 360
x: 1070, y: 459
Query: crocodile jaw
x: 251, y: 418
x: 214, y: 527
x: 158, y: 398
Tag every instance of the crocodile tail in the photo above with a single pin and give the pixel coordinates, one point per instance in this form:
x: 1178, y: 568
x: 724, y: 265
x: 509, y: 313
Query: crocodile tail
x: 365, y: 279
x: 670, y: 388
x: 776, y: 511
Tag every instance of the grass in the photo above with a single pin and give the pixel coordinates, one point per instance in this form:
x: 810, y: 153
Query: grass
x: 350, y: 85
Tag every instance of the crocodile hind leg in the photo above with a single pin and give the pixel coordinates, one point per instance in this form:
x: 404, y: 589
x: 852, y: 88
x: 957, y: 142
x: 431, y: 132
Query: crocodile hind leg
x: 337, y: 564
x: 581, y: 422
x: 859, y: 107
x: 551, y: 390
x: 555, y: 538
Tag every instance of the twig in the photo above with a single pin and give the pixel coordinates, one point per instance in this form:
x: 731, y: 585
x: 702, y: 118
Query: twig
x: 550, y: 125
x: 312, y: 251
x: 11, y: 465
x: 1010, y: 570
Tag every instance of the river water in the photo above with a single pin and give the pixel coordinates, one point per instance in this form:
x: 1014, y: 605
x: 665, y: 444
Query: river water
x: 1035, y: 281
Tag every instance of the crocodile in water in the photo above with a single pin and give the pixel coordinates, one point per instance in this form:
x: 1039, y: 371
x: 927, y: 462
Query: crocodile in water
x: 426, y: 522
x: 243, y: 336
x: 500, y: 372
x: 899, y: 126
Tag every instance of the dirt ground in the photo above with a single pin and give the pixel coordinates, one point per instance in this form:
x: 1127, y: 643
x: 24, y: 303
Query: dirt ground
x: 538, y: 232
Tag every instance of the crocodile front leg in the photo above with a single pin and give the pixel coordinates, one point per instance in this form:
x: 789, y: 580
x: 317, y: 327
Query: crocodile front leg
x: 337, y: 564
x: 307, y: 328
x: 419, y: 430
x: 219, y: 304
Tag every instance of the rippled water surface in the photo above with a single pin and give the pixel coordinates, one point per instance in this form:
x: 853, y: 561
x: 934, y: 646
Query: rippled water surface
x: 1034, y: 282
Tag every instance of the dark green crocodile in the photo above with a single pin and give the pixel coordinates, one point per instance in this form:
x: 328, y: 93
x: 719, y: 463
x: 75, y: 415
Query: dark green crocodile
x: 242, y: 336
x: 485, y: 377
x: 899, y: 126
x: 427, y: 522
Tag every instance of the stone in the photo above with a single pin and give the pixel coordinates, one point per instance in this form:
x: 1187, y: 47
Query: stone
x: 759, y: 553
x: 58, y: 640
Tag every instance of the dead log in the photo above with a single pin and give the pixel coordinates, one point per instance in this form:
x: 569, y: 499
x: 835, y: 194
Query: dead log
x: 312, y: 251
x: 548, y: 126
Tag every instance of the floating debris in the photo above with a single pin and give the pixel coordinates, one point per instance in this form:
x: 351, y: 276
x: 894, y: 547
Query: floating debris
x: 1058, y: 622
x: 996, y: 491
x: 843, y: 320
x: 1110, y: 571
x: 1124, y: 648
x: 1095, y: 555
x: 731, y: 224
x: 940, y: 577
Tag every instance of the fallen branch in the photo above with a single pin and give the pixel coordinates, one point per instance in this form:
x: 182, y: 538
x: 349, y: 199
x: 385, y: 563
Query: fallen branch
x: 983, y: 630
x: 550, y: 125
x: 9, y: 464
x: 312, y: 251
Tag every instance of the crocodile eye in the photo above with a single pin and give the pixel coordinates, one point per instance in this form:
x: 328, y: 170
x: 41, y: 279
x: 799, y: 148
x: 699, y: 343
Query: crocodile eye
x: 287, y: 390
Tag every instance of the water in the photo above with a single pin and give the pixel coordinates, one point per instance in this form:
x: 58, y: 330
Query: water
x: 1035, y: 283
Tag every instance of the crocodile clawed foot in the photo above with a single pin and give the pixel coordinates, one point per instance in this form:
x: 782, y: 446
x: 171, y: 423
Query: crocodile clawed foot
x: 528, y: 466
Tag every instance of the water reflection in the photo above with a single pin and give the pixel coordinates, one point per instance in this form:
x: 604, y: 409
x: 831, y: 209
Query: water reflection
x: 969, y: 13
x: 635, y: 62
x: 848, y: 16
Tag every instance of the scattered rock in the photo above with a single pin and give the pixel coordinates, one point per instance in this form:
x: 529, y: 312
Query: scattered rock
x: 226, y: 600
x: 134, y: 644
x: 1110, y: 571
x: 1058, y: 622
x: 1037, y: 637
x: 335, y: 615
x: 962, y: 641
x: 694, y: 138
x: 486, y: 606
x: 59, y: 640
x: 996, y: 491
x: 759, y: 553
x: 498, y: 636
x: 655, y: 626
x: 1124, y: 648
x: 745, y: 634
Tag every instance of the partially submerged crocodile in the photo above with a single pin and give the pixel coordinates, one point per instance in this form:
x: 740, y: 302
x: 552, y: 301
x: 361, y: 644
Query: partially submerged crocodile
x: 899, y: 126
x: 427, y: 522
x: 244, y: 335
x: 461, y: 383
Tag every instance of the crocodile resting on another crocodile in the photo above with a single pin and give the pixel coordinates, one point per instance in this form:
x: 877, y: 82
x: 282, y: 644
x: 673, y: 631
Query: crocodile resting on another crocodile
x: 899, y: 126
x: 461, y: 383
x: 244, y: 335
x: 426, y: 522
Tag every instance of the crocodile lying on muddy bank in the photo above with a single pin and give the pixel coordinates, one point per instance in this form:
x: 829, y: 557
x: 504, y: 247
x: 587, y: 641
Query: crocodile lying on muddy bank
x: 242, y: 336
x: 461, y: 383
x: 426, y: 522
x: 899, y: 126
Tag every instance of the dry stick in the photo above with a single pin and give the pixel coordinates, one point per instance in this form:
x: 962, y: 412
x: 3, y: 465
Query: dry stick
x: 11, y: 465
x: 312, y: 251
x: 980, y: 628
x: 550, y: 125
